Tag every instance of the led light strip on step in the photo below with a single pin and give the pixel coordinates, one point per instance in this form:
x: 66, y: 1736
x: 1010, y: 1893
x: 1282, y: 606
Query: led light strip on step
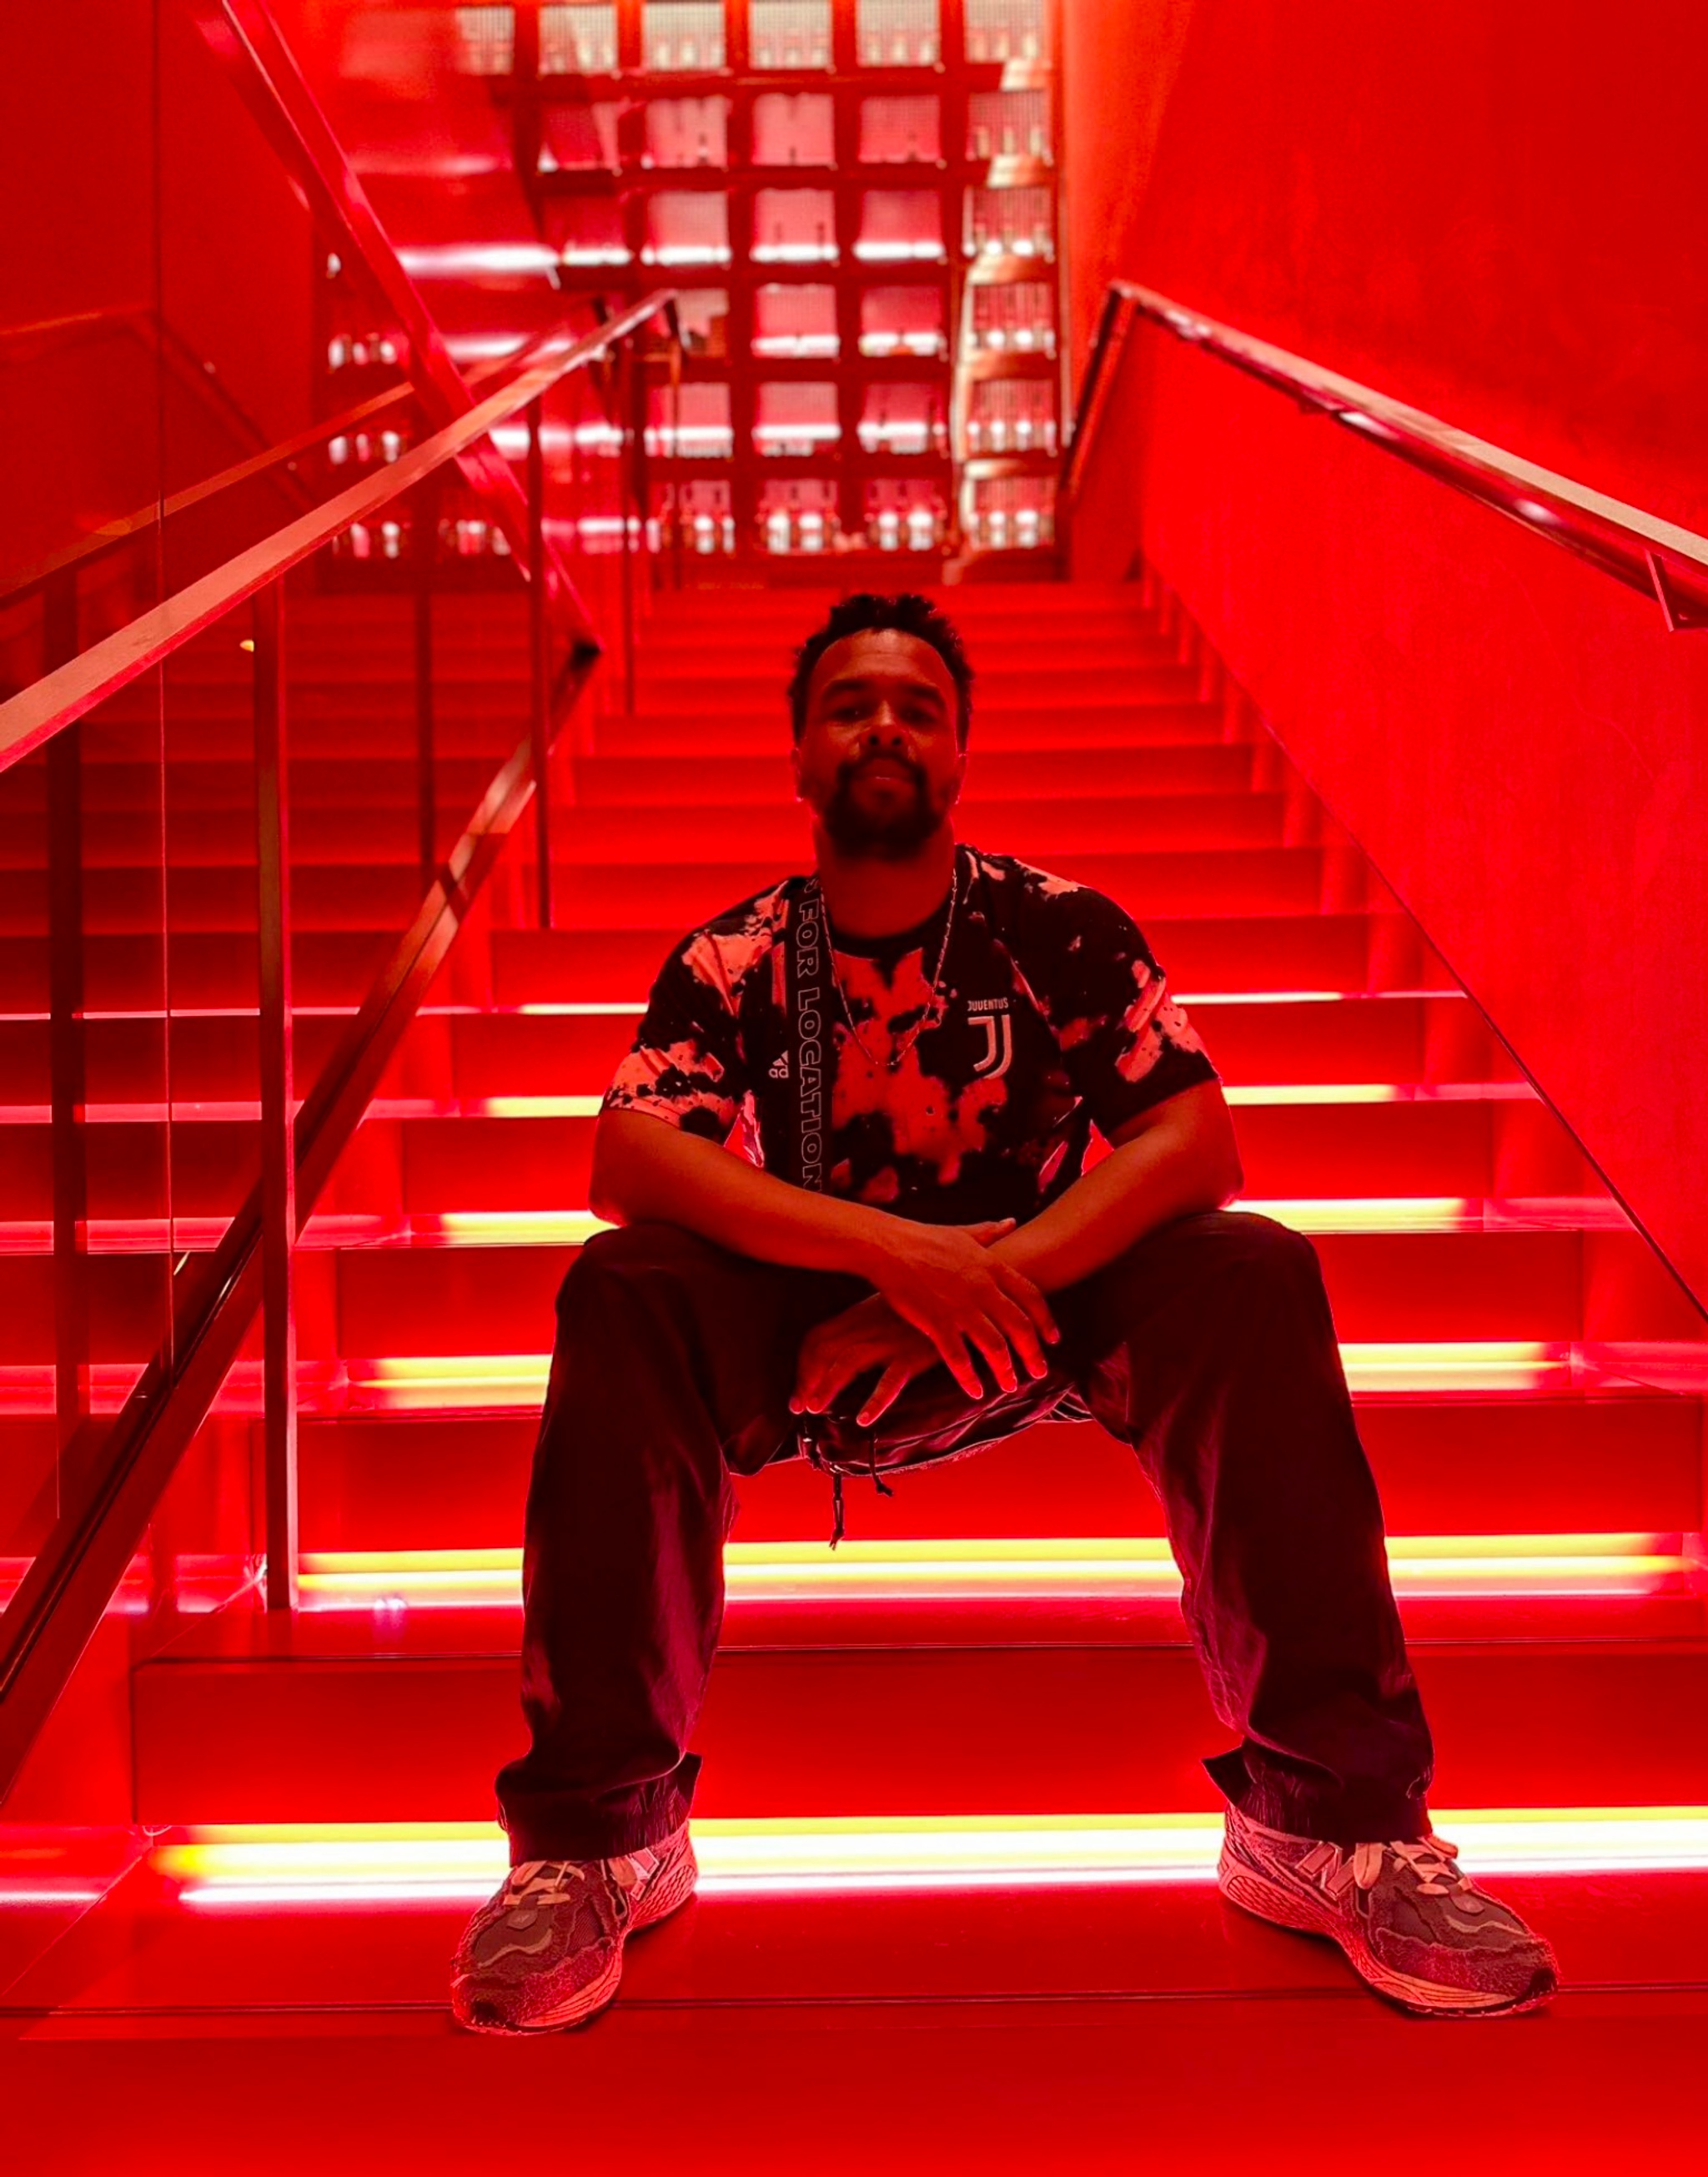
x: 516, y: 1383
x: 491, y: 1381
x: 429, y: 1864
x: 1051, y: 1568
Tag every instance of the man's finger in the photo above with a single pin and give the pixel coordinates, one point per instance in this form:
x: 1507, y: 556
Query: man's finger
x: 1020, y: 1287
x: 886, y: 1391
x: 952, y: 1345
x: 988, y: 1336
x: 1018, y: 1328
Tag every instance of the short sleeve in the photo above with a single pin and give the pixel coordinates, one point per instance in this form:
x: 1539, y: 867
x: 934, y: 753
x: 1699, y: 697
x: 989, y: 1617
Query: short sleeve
x: 1127, y: 1044
x: 686, y: 1065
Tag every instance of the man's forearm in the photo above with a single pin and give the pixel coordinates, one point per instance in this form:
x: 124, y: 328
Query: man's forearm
x: 644, y: 1168
x: 1146, y: 1182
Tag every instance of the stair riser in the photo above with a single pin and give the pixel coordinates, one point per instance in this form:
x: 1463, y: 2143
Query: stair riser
x: 1500, y: 1466
x: 429, y: 1167
x: 1340, y: 952
x: 1035, y: 1730
x: 352, y: 840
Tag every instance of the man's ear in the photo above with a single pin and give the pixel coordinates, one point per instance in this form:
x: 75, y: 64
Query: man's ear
x: 794, y: 770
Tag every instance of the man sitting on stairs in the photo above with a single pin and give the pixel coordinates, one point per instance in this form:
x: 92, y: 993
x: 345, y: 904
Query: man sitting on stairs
x: 917, y: 1041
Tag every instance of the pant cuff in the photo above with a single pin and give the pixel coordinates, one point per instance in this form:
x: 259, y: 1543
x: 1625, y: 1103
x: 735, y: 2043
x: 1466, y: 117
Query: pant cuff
x: 1305, y: 1807
x: 642, y: 1819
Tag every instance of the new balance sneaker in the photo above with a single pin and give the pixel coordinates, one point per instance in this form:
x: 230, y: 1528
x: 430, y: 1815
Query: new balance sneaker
x: 547, y: 1951
x: 1415, y: 1928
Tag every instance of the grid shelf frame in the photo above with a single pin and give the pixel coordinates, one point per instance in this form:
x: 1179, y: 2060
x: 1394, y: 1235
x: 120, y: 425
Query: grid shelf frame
x: 893, y: 163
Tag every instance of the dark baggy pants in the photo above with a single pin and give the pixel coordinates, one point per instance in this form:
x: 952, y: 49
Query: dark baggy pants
x: 1209, y: 1346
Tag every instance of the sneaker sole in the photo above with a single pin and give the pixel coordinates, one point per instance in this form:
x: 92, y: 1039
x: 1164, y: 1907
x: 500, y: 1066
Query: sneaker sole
x: 668, y: 1895
x: 1264, y: 1900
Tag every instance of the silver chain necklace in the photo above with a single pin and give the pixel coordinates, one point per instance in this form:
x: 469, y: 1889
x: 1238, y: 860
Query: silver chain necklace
x: 933, y: 1013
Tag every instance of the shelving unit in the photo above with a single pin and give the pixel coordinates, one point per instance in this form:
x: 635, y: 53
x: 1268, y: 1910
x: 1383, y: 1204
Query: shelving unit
x: 859, y: 200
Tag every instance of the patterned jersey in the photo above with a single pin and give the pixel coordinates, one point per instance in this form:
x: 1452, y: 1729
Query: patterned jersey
x: 1054, y: 1019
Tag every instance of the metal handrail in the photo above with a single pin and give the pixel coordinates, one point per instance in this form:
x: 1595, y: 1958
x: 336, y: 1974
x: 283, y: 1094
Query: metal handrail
x: 85, y: 549
x: 61, y: 697
x: 49, y: 1621
x: 1659, y: 559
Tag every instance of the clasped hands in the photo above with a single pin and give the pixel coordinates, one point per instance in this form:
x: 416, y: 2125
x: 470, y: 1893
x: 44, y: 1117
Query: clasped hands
x: 940, y: 1295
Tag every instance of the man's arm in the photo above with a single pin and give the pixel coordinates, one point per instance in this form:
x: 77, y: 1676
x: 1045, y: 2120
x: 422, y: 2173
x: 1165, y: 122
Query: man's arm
x: 1178, y: 1156
x: 945, y: 1280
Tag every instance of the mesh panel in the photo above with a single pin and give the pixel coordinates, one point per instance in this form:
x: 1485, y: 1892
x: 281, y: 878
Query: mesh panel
x: 790, y: 34
x: 795, y: 417
x: 1015, y: 317
x: 1009, y: 223
x: 687, y: 226
x: 794, y: 128
x: 1012, y: 416
x: 578, y: 37
x: 903, y: 321
x: 897, y: 129
x: 795, y: 321
x: 1007, y: 30
x: 794, y: 226
x: 897, y: 34
x: 901, y: 226
x: 682, y: 34
x: 1009, y: 124
x: 687, y: 132
x: 485, y: 40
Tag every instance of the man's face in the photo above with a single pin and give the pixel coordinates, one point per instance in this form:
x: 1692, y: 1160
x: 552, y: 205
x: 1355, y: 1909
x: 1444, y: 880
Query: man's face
x: 878, y: 762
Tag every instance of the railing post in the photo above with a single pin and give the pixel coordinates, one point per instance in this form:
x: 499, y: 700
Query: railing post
x: 627, y: 406
x: 64, y: 763
x: 278, y: 1124
x: 673, y: 321
x: 539, y: 657
x: 425, y: 556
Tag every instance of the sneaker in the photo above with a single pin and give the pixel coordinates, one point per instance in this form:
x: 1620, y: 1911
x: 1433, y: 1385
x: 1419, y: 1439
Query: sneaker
x: 547, y: 1951
x: 1414, y: 1926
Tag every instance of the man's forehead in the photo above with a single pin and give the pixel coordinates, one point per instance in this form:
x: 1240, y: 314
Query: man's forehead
x: 886, y: 650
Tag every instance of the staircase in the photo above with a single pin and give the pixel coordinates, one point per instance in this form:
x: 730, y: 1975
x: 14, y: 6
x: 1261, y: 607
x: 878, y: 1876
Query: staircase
x: 912, y: 1815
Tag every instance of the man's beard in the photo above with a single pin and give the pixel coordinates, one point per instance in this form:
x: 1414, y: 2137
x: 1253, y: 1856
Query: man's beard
x: 888, y: 835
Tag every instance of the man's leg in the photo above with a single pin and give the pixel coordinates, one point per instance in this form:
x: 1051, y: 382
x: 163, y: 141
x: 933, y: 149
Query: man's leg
x: 674, y: 1363
x: 1210, y: 1348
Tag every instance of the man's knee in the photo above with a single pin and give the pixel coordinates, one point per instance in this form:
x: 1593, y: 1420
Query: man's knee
x: 1244, y: 1240
x: 623, y: 1253
x: 1239, y: 1247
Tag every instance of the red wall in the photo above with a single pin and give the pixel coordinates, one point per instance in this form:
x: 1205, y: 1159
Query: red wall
x: 133, y: 197
x: 1493, y: 220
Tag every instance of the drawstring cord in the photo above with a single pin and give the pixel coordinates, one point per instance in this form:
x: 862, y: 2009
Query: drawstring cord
x: 807, y: 1435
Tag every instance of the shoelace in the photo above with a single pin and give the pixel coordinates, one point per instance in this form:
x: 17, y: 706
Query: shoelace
x: 1432, y: 1860
x: 534, y: 1879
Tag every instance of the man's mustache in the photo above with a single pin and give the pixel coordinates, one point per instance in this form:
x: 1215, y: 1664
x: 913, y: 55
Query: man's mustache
x: 855, y: 764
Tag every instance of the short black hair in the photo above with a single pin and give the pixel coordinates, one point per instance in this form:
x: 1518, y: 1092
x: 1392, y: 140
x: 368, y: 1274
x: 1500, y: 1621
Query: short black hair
x: 865, y: 612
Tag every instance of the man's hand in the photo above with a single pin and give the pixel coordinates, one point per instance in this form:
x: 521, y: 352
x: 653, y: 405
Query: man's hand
x: 868, y: 1335
x: 943, y: 1280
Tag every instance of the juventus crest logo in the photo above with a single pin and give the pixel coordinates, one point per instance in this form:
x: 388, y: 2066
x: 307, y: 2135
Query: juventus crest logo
x: 992, y: 1017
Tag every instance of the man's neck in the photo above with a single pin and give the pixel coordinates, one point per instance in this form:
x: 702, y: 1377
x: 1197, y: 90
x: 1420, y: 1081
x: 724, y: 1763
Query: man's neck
x: 870, y: 897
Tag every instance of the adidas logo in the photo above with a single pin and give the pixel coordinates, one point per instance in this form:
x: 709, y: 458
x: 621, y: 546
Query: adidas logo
x: 779, y: 1068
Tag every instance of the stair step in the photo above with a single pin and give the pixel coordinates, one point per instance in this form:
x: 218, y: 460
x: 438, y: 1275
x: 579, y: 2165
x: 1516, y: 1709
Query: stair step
x: 325, y: 1719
